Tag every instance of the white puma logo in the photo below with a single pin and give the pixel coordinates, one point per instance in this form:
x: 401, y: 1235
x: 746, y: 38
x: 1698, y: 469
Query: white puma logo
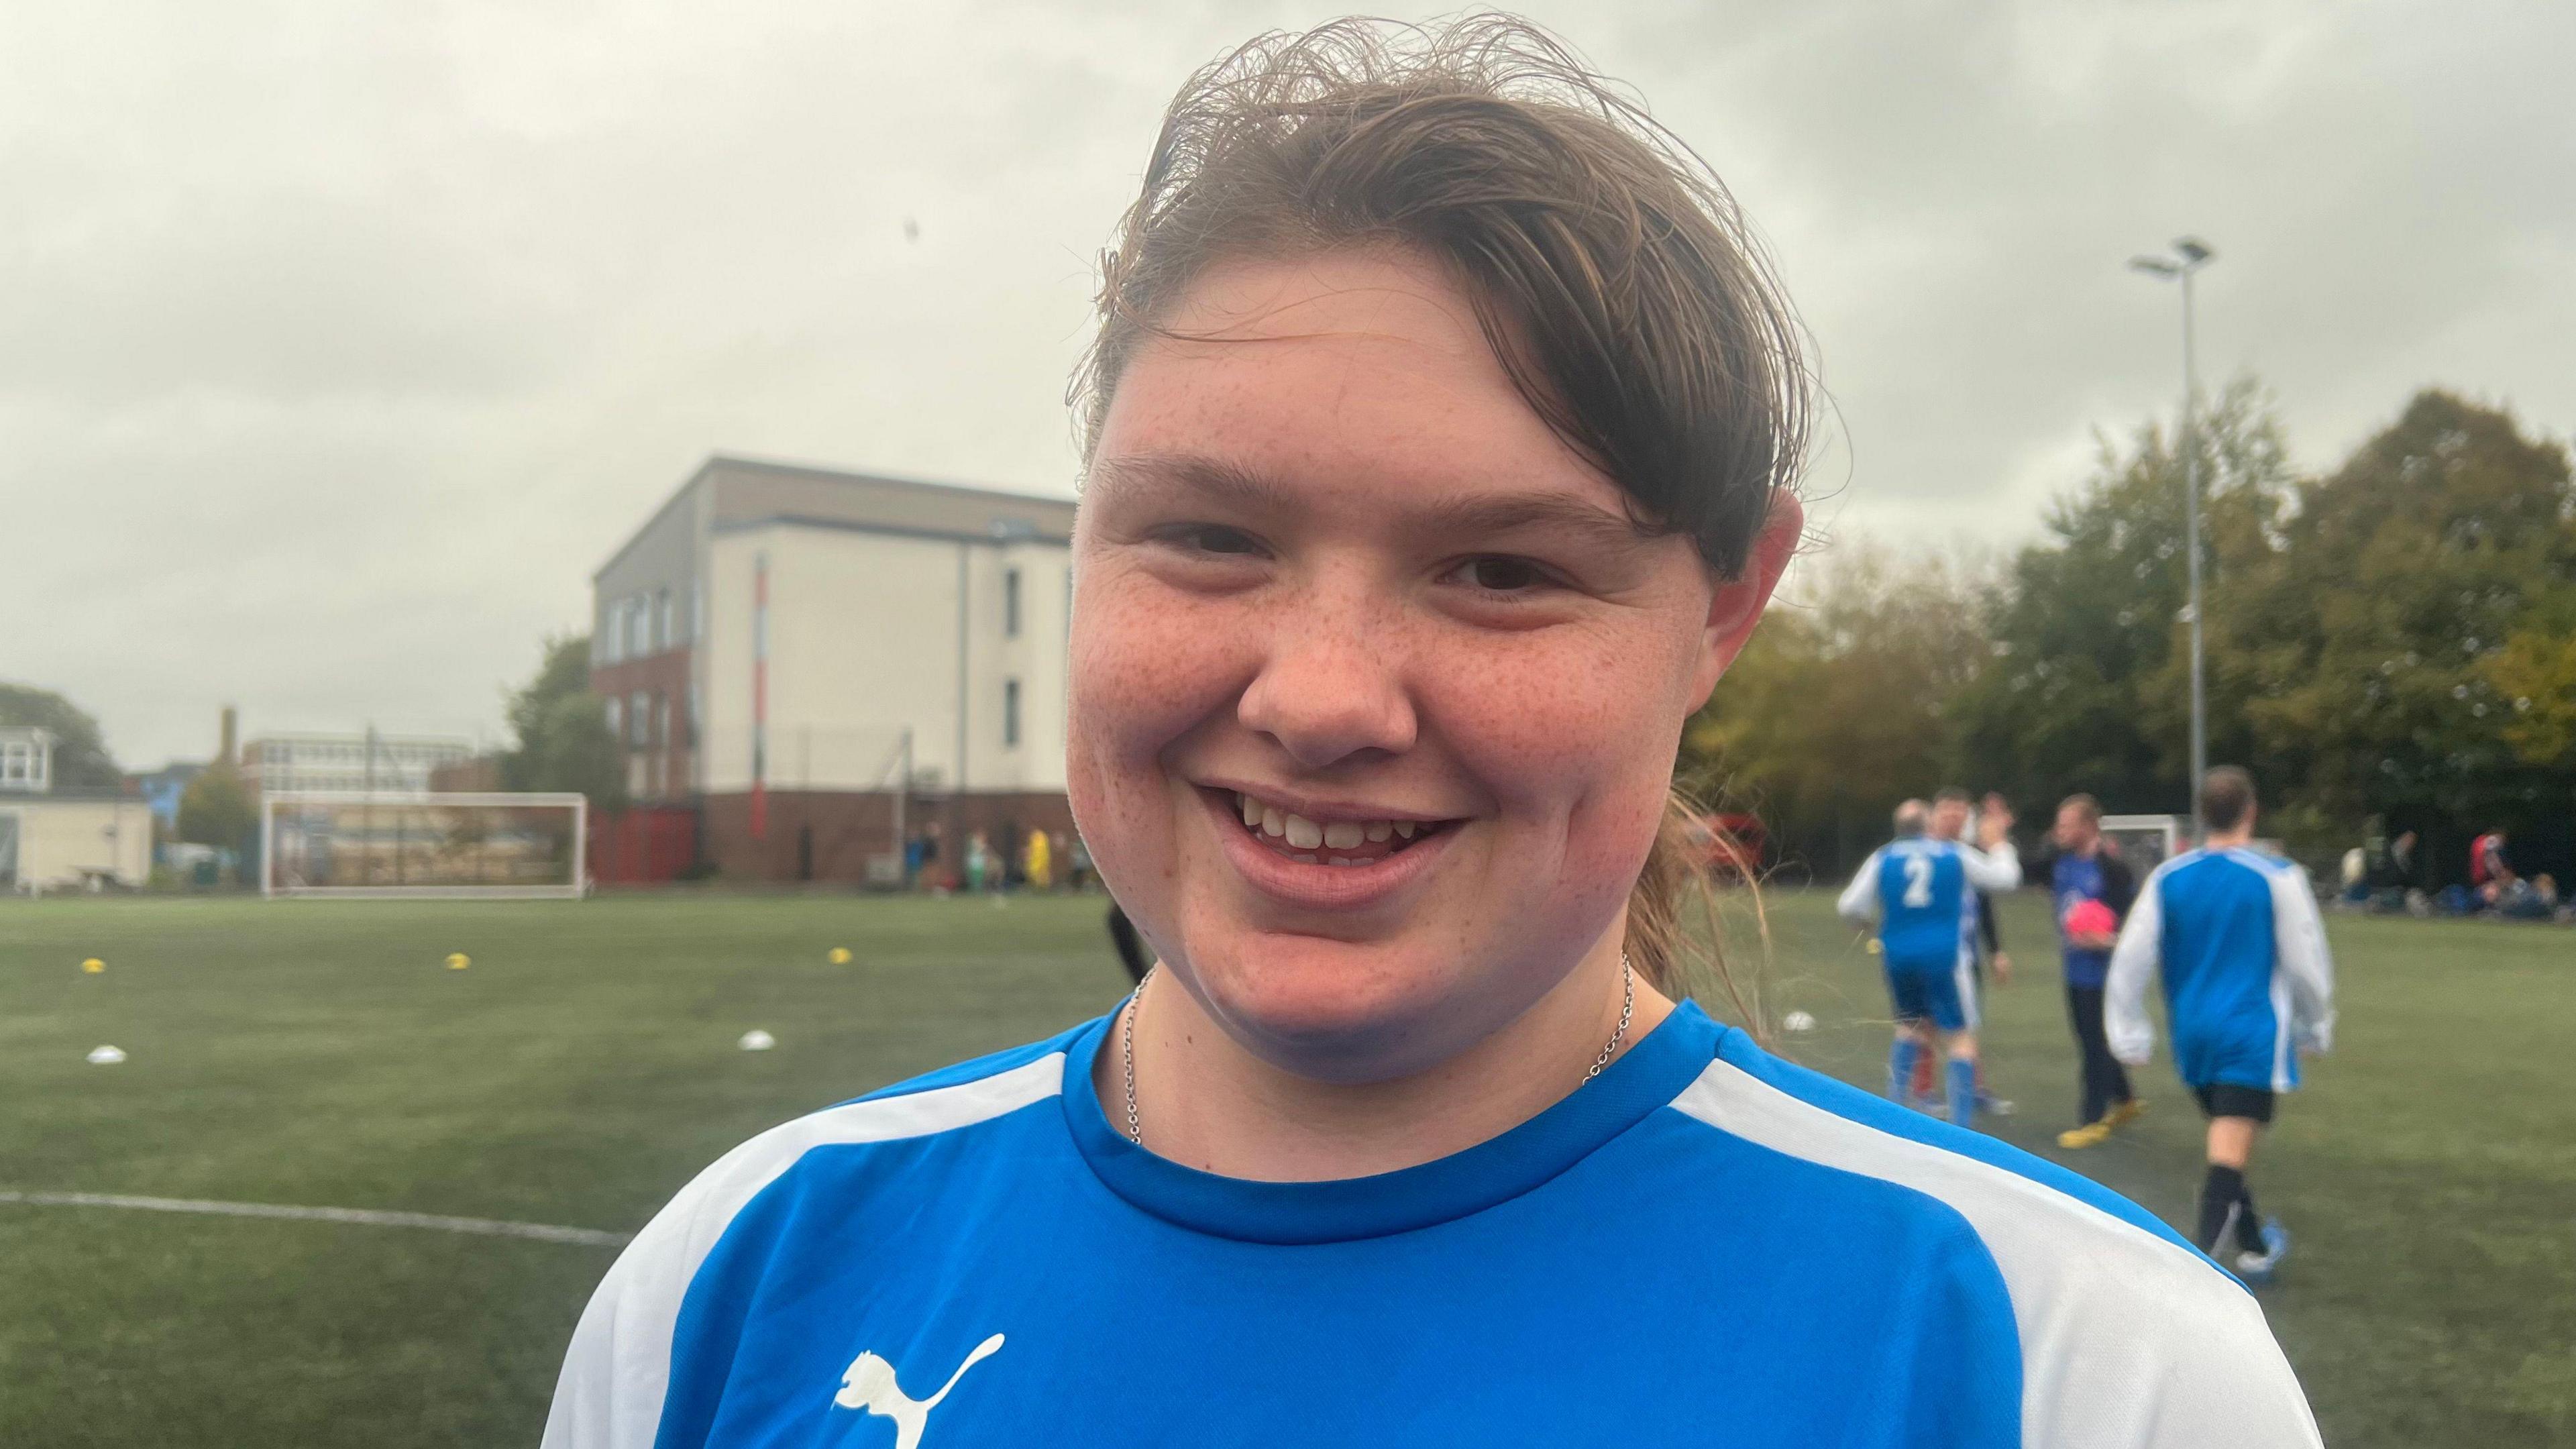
x: 869, y: 1385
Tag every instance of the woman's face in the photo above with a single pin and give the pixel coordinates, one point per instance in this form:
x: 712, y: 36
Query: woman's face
x: 1375, y: 689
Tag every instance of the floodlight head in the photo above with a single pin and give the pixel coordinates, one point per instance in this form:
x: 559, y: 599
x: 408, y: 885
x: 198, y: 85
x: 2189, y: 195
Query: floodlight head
x: 2194, y: 251
x: 2157, y: 266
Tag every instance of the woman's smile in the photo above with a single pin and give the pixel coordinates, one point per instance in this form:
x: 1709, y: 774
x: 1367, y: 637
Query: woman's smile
x: 1307, y: 853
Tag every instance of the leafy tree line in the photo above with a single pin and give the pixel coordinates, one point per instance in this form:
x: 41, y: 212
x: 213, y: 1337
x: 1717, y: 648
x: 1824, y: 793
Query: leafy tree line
x: 560, y: 729
x: 2391, y: 643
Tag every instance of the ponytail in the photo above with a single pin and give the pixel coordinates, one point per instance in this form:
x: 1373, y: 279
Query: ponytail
x: 1679, y: 875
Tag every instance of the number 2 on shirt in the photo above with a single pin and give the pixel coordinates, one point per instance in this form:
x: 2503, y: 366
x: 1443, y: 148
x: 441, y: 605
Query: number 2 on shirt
x: 1918, y: 881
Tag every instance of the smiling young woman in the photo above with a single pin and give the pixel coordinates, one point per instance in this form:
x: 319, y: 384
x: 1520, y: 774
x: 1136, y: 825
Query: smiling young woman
x: 1439, y: 437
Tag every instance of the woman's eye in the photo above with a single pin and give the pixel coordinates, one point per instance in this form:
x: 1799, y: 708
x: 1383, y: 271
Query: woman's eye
x: 1212, y: 538
x: 1503, y: 575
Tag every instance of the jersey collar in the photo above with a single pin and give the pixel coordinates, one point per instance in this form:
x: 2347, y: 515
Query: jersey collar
x: 1653, y: 1072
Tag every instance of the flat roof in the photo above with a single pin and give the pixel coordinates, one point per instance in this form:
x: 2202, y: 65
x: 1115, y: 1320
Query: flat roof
x: 751, y: 490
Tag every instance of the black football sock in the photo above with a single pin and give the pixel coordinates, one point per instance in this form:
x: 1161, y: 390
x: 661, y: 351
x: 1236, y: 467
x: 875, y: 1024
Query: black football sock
x: 2249, y: 1224
x: 2219, y: 1192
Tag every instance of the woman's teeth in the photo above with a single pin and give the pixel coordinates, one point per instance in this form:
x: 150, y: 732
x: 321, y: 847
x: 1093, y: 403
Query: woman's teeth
x: 1299, y: 833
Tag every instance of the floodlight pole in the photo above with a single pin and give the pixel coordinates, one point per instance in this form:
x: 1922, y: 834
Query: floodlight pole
x: 2190, y: 255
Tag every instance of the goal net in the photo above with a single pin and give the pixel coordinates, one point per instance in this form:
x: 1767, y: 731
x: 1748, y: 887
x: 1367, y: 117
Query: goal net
x: 2145, y: 841
x: 495, y: 844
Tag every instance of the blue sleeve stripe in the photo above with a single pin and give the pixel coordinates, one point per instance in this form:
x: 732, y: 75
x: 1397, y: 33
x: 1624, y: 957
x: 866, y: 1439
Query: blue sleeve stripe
x: 2112, y: 1310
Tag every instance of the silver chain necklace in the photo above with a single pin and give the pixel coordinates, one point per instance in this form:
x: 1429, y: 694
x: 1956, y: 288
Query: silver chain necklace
x: 1127, y: 1036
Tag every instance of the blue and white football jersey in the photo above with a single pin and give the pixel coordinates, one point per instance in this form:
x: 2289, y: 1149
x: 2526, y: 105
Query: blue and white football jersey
x: 1926, y: 913
x: 1704, y: 1246
x: 1922, y: 894
x: 2235, y: 937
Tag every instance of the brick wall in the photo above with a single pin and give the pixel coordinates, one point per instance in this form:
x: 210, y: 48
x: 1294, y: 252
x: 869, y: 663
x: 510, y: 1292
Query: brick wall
x: 828, y: 835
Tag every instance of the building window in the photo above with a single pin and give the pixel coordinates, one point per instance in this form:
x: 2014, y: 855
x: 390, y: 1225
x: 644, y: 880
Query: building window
x: 639, y: 719
x: 616, y: 717
x: 661, y: 721
x: 1010, y: 603
x: 1010, y: 714
x: 662, y: 636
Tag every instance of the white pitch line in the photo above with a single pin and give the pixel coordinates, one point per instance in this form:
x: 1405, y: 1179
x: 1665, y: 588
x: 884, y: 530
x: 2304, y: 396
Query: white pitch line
x: 492, y: 1227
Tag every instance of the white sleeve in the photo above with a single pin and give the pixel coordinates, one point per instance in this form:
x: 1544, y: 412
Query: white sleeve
x: 1995, y: 870
x: 2134, y: 959
x: 618, y: 1366
x: 618, y: 1370
x: 1859, y: 903
x: 2299, y: 945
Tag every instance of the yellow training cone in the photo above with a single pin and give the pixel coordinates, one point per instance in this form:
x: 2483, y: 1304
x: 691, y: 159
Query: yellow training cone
x: 838, y: 955
x: 458, y: 961
x: 93, y: 965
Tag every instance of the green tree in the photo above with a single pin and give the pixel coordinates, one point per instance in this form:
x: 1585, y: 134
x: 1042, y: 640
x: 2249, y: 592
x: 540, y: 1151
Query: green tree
x: 2401, y: 648
x: 561, y: 731
x: 2085, y: 684
x: 81, y: 760
x: 1839, y: 706
x: 216, y: 810
x: 2535, y: 671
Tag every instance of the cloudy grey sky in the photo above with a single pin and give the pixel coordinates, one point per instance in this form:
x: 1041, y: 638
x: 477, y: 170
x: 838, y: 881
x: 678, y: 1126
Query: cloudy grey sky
x: 340, y: 342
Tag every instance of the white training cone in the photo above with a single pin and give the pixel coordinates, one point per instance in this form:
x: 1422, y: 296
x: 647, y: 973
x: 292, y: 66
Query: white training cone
x: 1798, y: 1021
x: 106, y: 1056
x: 754, y: 1040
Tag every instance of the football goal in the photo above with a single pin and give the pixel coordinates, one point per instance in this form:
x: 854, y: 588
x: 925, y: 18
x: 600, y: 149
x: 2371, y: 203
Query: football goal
x: 2145, y: 841
x: 485, y: 844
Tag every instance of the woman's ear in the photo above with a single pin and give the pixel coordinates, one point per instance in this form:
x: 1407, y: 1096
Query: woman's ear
x: 1737, y: 604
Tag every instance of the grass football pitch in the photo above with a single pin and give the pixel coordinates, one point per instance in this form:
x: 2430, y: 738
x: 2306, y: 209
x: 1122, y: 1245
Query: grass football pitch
x: 585, y: 1064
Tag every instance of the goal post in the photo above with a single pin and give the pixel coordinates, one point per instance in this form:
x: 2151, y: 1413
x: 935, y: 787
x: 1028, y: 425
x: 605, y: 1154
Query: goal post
x: 478, y: 844
x: 2145, y: 841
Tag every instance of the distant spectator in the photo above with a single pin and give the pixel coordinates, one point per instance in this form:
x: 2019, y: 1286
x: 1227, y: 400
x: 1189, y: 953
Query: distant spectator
x: 2517, y: 899
x: 2392, y: 874
x: 921, y: 856
x: 1037, y: 861
x: 2486, y: 859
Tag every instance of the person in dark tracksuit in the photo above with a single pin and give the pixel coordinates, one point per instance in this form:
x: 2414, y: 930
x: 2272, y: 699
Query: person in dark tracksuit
x: 2087, y: 869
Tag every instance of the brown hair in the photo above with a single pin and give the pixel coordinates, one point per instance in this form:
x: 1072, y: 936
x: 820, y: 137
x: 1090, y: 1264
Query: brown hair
x: 2084, y: 805
x: 1610, y: 271
x: 2226, y: 793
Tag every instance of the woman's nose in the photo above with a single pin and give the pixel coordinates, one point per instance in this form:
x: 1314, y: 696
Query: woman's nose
x: 1331, y: 687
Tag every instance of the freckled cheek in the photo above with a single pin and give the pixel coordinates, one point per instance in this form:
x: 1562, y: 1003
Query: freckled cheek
x: 1146, y: 669
x: 1149, y: 665
x: 1574, y: 738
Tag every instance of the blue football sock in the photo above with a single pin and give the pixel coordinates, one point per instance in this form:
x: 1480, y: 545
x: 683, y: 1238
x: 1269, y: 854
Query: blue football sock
x: 1900, y: 1068
x: 1963, y: 1091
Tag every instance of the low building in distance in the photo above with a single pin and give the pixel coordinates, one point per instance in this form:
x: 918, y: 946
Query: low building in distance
x: 364, y: 761
x: 64, y: 839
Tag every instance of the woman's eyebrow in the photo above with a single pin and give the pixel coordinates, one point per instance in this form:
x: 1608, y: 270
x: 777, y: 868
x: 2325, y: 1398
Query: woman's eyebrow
x: 1173, y: 474
x: 1475, y: 516
x: 1458, y: 516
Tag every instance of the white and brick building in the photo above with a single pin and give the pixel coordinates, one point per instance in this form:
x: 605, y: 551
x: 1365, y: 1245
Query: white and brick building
x: 778, y: 641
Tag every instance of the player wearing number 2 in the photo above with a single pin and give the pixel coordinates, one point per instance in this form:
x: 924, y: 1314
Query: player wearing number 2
x: 1922, y: 894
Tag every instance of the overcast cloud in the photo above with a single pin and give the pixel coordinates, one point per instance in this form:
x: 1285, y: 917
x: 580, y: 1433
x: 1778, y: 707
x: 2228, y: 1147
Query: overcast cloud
x: 339, y: 343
